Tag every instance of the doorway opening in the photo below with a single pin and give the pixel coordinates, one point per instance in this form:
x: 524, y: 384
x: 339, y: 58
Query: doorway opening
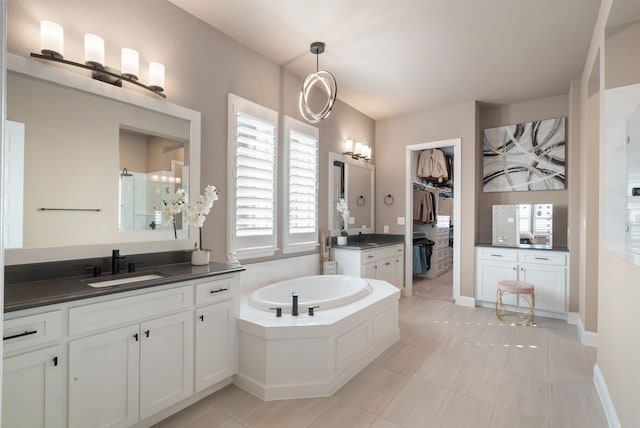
x: 432, y: 232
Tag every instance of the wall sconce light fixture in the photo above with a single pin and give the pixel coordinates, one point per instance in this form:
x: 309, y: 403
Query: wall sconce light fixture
x: 52, y: 49
x: 357, y: 150
x: 326, y: 82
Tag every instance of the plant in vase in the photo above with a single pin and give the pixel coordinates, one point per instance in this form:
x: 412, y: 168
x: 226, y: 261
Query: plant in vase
x: 196, y: 214
x: 343, y: 209
x: 173, y: 206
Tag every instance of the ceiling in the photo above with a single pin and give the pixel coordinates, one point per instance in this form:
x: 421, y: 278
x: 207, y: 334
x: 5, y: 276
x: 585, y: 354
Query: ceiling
x: 395, y: 57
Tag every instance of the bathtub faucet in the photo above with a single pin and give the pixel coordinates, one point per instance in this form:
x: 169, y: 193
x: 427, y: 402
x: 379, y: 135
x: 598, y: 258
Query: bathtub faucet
x: 294, y: 305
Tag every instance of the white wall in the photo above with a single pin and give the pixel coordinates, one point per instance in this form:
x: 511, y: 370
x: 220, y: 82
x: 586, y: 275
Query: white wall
x: 394, y: 135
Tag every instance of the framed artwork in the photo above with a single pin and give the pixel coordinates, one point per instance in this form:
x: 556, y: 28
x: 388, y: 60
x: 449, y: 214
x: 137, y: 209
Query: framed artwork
x: 525, y: 156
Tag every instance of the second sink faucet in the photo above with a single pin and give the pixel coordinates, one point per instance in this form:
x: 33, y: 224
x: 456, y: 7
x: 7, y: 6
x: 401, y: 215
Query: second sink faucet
x: 294, y: 305
x: 115, y: 261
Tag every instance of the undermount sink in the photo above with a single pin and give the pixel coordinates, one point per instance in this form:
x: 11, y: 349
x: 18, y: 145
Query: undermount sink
x: 125, y: 280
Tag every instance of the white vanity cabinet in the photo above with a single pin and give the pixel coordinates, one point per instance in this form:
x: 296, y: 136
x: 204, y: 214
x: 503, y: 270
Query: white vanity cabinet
x: 130, y: 373
x: 547, y: 270
x: 215, y: 331
x: 120, y: 360
x: 33, y: 376
x: 104, y: 387
x: 385, y: 263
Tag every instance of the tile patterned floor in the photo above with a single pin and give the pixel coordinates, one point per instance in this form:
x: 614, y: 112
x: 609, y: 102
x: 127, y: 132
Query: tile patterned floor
x: 453, y: 367
x: 435, y: 288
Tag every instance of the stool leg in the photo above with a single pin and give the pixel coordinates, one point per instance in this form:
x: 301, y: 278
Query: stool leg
x: 533, y: 308
x: 499, y: 305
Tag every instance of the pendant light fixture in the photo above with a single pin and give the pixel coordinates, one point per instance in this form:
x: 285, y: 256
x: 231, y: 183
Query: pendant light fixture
x: 325, y: 82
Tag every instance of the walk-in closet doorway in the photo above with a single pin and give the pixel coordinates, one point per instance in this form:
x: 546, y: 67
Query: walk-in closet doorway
x: 411, y: 154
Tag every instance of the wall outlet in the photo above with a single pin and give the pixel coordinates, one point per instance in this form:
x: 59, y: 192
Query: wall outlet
x: 352, y: 220
x: 400, y: 221
x: 386, y: 229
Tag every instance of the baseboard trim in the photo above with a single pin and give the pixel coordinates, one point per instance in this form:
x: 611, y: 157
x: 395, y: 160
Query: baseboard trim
x: 588, y: 338
x: 466, y: 301
x: 605, y: 398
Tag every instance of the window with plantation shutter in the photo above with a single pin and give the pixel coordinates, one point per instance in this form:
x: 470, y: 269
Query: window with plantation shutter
x: 252, y: 189
x: 300, y: 186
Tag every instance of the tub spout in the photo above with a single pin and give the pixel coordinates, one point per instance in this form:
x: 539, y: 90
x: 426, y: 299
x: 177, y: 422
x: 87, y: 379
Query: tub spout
x: 294, y: 305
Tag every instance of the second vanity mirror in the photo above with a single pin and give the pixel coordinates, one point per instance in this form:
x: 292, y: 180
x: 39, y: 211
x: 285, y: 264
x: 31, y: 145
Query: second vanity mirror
x: 353, y: 180
x: 523, y: 225
x: 96, y: 161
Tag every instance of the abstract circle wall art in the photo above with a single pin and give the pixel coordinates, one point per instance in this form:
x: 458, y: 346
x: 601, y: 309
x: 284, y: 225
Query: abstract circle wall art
x: 526, y: 156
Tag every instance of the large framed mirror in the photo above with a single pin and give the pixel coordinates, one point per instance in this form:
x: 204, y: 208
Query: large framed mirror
x: 92, y: 165
x: 353, y: 180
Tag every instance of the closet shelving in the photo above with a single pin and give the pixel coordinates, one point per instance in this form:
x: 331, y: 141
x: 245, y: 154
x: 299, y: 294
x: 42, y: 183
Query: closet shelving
x: 431, y: 221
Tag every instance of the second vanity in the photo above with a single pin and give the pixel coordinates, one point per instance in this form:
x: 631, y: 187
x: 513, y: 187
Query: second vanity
x: 547, y: 270
x: 154, y: 346
x: 372, y: 256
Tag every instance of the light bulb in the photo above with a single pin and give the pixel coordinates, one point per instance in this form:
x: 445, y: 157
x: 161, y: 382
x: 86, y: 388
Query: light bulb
x: 348, y: 147
x: 51, y: 39
x: 93, y: 50
x: 156, y: 76
x: 357, y: 151
x: 129, y: 63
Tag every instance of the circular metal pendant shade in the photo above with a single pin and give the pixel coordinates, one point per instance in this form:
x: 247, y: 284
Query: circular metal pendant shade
x: 325, y: 82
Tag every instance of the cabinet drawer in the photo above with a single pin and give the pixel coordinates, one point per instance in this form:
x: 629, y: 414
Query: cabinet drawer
x: 31, y: 330
x: 387, y: 252
x: 95, y: 316
x: 369, y: 256
x: 559, y: 259
x: 497, y: 254
x: 442, y: 254
x: 214, y: 290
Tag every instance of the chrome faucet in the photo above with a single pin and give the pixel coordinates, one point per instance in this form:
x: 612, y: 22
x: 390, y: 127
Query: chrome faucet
x: 294, y: 305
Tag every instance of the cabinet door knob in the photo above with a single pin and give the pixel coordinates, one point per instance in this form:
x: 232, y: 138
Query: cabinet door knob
x: 146, y: 333
x: 135, y: 336
x: 55, y: 361
x: 514, y: 268
x: 201, y: 318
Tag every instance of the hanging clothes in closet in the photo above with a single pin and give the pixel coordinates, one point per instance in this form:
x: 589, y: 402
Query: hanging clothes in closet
x: 422, y: 250
x: 424, y: 205
x: 433, y: 165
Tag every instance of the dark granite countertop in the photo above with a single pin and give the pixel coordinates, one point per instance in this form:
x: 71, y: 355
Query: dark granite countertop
x: 31, y: 294
x: 369, y: 241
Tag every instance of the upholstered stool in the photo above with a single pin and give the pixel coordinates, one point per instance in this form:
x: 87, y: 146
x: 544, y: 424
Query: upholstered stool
x: 516, y: 287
